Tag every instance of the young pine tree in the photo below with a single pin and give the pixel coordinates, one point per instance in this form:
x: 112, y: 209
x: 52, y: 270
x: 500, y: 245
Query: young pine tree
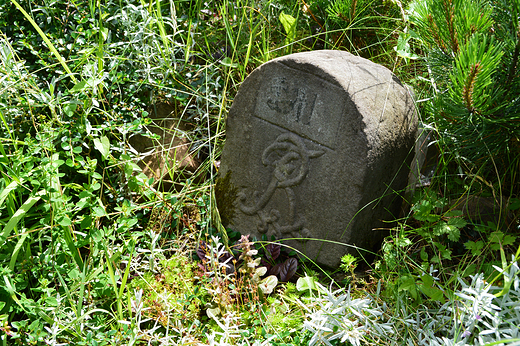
x: 471, y: 51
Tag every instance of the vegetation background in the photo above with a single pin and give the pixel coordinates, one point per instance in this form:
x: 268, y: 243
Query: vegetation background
x: 96, y: 252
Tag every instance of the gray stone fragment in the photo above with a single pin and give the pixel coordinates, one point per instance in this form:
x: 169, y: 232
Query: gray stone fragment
x: 318, y: 145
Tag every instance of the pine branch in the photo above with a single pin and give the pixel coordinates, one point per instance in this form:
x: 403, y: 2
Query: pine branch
x: 434, y: 31
x: 467, y: 92
x: 353, y: 9
x: 449, y: 11
x: 448, y: 117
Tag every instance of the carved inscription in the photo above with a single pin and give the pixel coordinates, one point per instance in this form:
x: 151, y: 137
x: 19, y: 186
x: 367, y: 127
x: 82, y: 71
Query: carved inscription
x: 299, y: 108
x: 293, y: 103
x: 289, y: 160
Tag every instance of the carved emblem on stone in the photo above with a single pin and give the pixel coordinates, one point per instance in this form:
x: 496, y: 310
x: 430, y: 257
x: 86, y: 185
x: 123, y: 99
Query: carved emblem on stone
x: 289, y: 159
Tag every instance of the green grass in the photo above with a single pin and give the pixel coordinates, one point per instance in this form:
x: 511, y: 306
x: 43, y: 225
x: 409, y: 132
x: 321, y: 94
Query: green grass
x: 94, y: 252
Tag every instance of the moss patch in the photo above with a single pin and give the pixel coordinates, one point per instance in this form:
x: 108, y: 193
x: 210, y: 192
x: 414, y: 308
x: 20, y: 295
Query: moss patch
x: 225, y: 195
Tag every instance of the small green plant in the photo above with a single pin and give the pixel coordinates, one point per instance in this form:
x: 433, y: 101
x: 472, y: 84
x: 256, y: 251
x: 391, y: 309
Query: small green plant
x: 436, y: 222
x: 348, y: 264
x: 170, y: 294
x: 234, y: 282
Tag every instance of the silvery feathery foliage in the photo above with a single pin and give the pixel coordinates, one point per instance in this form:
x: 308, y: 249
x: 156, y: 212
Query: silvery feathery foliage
x: 338, y: 316
x: 477, y: 316
x: 230, y: 325
x: 144, y: 44
x: 217, y: 250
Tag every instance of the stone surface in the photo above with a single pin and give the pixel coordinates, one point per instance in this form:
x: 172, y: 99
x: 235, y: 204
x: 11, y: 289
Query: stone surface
x: 167, y: 159
x: 317, y: 144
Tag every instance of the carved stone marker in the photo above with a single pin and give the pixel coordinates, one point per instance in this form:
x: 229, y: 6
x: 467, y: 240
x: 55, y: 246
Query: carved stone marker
x: 318, y: 145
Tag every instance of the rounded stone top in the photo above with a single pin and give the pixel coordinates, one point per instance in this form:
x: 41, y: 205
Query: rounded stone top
x: 336, y: 67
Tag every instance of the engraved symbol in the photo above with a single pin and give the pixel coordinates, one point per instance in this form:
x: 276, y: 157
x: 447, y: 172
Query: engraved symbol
x: 289, y: 159
x: 291, y: 102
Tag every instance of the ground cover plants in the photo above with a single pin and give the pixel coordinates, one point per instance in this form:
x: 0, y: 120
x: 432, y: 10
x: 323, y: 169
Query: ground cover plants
x: 95, y: 252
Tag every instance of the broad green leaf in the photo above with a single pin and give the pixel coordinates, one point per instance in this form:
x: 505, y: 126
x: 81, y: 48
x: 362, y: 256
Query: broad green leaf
x: 514, y: 204
x: 475, y: 247
x: 99, y: 211
x: 69, y: 163
x: 64, y: 221
x: 103, y: 145
x: 423, y: 211
x: 427, y: 280
x: 228, y: 62
x: 424, y: 254
x: 452, y: 231
x: 403, y: 241
x: 432, y: 293
x: 86, y: 222
x: 96, y: 186
x: 289, y: 25
x: 130, y: 167
x: 444, y: 253
x: 51, y: 301
x: 407, y: 283
x: 509, y: 240
x: 79, y: 86
x: 457, y: 222
x: 306, y: 283
x: 496, y: 237
x: 403, y: 48
x: 70, y: 107
x: 441, y: 228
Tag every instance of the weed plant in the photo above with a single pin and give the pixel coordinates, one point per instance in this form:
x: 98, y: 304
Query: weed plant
x: 95, y: 253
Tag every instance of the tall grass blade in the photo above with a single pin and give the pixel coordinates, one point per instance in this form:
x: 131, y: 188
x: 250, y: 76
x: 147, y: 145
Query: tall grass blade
x: 67, y: 232
x: 5, y: 192
x: 127, y: 270
x: 19, y: 214
x: 67, y: 293
x: 113, y: 279
x: 16, y: 250
x: 12, y: 292
x: 46, y: 40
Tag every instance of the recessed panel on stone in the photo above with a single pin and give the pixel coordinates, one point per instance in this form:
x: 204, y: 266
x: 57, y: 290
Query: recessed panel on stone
x: 317, y: 150
x: 312, y: 109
